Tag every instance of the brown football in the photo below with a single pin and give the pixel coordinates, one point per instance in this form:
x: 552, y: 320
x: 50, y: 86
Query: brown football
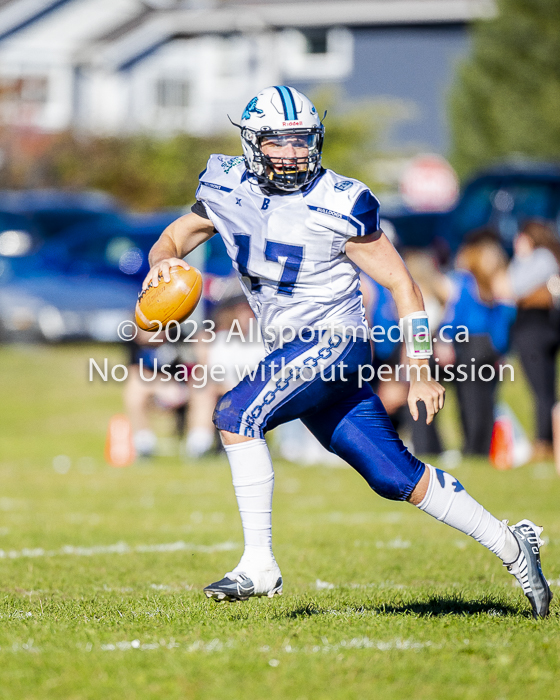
x: 169, y: 301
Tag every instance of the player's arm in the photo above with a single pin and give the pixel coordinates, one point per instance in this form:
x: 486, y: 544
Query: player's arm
x: 377, y: 257
x: 179, y: 239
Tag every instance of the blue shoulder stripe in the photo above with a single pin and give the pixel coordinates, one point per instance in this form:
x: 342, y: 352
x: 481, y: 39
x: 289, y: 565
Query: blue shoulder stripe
x: 366, y: 211
x: 356, y: 222
x: 288, y: 102
x: 329, y: 212
x: 214, y: 186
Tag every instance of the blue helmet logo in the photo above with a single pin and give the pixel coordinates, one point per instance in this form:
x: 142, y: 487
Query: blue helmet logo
x: 252, y: 108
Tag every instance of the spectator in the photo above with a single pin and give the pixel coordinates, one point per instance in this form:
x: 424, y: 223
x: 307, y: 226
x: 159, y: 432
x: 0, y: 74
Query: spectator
x: 141, y: 392
x: 477, y: 301
x: 382, y: 317
x: 533, y: 275
x: 236, y: 346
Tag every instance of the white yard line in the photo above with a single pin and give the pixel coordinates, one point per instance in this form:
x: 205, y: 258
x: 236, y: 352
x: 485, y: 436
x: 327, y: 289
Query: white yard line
x: 217, y: 645
x: 118, y: 548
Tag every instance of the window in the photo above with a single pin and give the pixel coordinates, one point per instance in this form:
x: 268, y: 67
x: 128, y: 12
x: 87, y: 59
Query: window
x: 316, y: 41
x: 316, y: 54
x: 171, y: 92
x: 30, y: 89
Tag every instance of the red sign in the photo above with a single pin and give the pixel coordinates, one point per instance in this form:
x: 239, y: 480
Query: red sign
x: 429, y: 183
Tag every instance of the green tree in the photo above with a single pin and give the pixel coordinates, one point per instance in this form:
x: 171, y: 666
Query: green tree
x: 142, y: 171
x: 356, y: 133
x: 506, y: 101
x: 146, y: 172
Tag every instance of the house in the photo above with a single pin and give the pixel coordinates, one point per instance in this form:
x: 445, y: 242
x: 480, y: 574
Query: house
x: 126, y: 66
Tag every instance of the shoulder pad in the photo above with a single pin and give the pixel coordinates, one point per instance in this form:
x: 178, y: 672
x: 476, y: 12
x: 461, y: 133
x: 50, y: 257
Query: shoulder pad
x: 351, y: 199
x: 222, y: 173
x: 346, y: 187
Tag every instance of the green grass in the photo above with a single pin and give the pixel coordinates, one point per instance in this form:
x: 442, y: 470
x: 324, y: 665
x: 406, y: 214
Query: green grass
x: 380, y: 601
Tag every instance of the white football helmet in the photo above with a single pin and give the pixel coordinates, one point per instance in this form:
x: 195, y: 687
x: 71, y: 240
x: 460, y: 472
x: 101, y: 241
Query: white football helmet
x: 281, y: 117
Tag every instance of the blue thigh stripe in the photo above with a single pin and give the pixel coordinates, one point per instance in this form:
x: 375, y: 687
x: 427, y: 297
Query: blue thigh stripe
x: 260, y: 403
x: 290, y: 111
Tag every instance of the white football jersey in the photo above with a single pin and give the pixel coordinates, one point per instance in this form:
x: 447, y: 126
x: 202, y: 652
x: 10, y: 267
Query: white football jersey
x: 289, y: 249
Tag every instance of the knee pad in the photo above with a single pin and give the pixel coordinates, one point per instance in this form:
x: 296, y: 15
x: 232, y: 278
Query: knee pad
x: 367, y: 440
x: 231, y: 415
x: 226, y: 416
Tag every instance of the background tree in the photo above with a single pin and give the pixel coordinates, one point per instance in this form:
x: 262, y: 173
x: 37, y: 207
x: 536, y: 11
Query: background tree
x: 357, y: 133
x: 147, y: 172
x: 143, y: 172
x: 506, y: 101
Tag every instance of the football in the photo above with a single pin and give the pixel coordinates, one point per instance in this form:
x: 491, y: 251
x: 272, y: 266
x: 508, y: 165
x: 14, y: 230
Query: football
x: 169, y: 301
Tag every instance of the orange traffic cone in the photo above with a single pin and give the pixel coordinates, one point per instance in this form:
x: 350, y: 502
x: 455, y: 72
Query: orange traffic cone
x: 510, y: 446
x: 501, y: 447
x: 119, y: 447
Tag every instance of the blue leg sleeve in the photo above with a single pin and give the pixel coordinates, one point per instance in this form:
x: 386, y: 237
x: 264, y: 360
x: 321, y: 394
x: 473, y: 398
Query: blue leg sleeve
x: 359, y: 431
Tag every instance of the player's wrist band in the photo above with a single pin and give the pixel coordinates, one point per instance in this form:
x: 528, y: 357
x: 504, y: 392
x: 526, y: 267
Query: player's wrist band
x: 415, y: 331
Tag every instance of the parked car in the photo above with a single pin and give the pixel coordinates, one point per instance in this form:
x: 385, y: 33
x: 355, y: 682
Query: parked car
x: 501, y: 197
x: 51, y: 211
x: 414, y: 229
x: 504, y: 196
x: 81, y: 283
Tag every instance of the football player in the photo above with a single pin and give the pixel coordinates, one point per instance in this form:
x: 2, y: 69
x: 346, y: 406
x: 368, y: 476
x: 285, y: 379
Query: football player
x: 298, y: 235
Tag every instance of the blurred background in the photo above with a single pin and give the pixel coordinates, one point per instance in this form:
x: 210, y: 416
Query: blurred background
x: 448, y: 109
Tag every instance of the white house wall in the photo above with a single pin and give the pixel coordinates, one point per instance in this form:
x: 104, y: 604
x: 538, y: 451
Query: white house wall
x: 297, y: 64
x: 47, y: 47
x: 222, y: 74
x: 104, y: 100
x: 103, y: 59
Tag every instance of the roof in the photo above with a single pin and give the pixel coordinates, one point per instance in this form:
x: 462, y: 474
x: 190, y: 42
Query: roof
x: 116, y: 33
x: 228, y: 16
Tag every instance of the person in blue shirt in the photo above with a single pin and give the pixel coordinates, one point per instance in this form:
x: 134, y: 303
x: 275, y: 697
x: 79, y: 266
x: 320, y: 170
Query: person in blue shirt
x: 475, y: 303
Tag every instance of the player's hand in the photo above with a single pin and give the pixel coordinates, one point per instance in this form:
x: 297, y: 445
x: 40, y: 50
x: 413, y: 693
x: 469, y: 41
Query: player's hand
x: 423, y: 388
x: 162, y: 268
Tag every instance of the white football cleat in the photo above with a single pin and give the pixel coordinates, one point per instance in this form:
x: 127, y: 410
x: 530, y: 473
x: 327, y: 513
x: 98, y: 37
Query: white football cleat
x: 527, y: 567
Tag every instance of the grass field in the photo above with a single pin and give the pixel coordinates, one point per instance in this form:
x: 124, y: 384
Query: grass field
x: 102, y: 570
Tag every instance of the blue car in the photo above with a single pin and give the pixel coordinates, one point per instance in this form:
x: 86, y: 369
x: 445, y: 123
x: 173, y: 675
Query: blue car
x: 81, y: 283
x: 502, y: 198
x: 51, y: 211
x: 505, y: 196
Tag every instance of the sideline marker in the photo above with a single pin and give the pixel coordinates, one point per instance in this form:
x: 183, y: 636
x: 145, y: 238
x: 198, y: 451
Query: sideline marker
x: 510, y: 447
x: 501, y: 447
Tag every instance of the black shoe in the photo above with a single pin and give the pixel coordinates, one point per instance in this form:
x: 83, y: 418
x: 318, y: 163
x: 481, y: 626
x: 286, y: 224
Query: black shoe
x: 238, y: 586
